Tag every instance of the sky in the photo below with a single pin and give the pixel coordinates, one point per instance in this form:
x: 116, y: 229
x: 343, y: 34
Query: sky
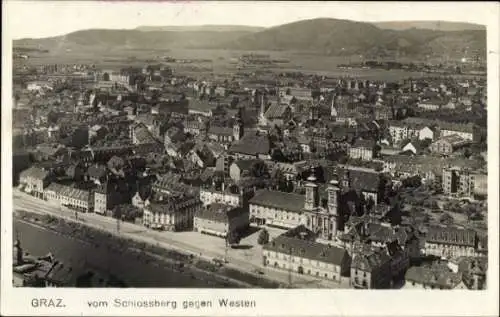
x: 29, y: 19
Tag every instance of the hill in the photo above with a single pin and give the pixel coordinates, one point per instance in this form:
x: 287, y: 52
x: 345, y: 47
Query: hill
x: 132, y: 39
x: 429, y: 25
x: 321, y: 36
x: 344, y: 37
x: 206, y: 28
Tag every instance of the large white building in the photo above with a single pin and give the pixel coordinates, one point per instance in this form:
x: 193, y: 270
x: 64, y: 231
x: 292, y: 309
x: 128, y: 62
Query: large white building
x: 288, y: 210
x: 290, y: 251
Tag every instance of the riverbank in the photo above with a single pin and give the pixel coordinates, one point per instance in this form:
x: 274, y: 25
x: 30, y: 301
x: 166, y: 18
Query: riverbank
x: 203, y: 273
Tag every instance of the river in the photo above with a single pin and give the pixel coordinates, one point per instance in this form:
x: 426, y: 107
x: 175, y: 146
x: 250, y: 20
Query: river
x: 128, y: 267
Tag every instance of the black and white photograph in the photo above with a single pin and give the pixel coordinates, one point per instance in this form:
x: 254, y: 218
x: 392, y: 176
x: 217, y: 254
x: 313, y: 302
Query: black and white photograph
x: 228, y: 145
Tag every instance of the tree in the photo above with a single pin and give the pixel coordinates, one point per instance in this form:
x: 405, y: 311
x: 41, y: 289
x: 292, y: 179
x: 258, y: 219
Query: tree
x: 467, y: 153
x: 126, y: 212
x: 446, y: 219
x: 259, y: 169
x: 370, y: 203
x: 263, y: 237
x: 414, y: 181
x: 233, y: 238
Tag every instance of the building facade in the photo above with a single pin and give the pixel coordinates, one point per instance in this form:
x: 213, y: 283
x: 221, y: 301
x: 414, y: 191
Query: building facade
x: 220, y: 220
x: 306, y: 257
x: 172, y: 213
x: 450, y: 242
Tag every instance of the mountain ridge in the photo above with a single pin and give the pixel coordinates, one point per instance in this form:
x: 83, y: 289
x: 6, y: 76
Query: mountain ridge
x: 324, y: 35
x: 205, y: 27
x: 430, y: 25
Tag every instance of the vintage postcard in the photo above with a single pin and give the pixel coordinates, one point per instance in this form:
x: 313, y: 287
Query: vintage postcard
x: 203, y: 158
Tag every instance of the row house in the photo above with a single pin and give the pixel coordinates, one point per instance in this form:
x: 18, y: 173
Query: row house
x: 465, y: 131
x: 363, y: 149
x: 251, y: 146
x: 380, y: 234
x: 230, y: 195
x: 371, y: 270
x: 221, y: 134
x: 172, y: 213
x: 463, y: 182
x: 71, y: 197
x: 195, y: 127
x: 220, y: 220
x: 421, y: 277
x: 306, y: 257
x: 451, y: 242
x: 34, y: 180
x: 364, y: 181
x: 400, y: 130
x: 277, y: 208
x: 448, y: 144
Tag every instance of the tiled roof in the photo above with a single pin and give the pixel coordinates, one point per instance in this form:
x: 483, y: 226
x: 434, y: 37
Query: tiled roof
x: 429, y: 163
x: 454, y: 236
x: 175, y: 134
x: 433, y: 277
x: 371, y: 261
x: 55, y: 187
x: 362, y: 179
x: 276, y: 111
x: 454, y: 140
x: 216, y: 148
x: 281, y: 200
x: 307, y: 249
x: 364, y: 143
x: 170, y: 204
x: 97, y: 171
x: 219, y: 212
x: 246, y: 165
x: 143, y: 135
x: 74, y: 193
x: 457, y: 127
x: 252, y: 145
x: 167, y: 180
x: 220, y: 130
x: 34, y: 172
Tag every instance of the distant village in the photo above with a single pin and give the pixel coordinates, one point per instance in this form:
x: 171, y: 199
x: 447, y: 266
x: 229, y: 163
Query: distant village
x: 380, y: 184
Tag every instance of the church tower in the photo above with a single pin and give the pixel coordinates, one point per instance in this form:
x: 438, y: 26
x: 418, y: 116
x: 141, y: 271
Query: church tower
x: 238, y: 127
x: 333, y: 202
x: 262, y: 112
x: 312, y: 196
x: 333, y: 108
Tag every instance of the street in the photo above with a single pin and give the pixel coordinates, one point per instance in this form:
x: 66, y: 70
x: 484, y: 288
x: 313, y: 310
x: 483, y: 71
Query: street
x: 208, y: 247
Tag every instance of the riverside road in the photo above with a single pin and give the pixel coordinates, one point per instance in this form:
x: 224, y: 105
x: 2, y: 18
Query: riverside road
x: 192, y: 242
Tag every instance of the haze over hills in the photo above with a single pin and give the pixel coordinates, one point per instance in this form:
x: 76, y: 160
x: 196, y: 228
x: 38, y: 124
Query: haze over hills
x: 429, y: 25
x: 323, y: 36
x: 206, y: 28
